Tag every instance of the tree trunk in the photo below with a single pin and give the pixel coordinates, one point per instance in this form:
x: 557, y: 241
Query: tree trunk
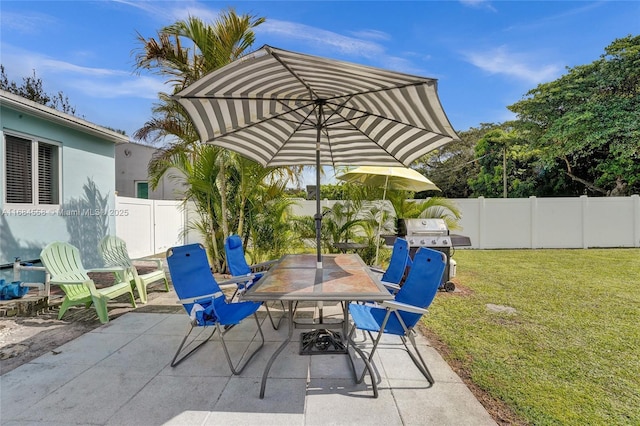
x: 589, y: 185
x: 223, y: 197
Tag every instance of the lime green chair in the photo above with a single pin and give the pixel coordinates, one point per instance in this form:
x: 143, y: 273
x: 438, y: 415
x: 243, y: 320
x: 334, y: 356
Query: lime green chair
x: 114, y: 253
x: 62, y: 262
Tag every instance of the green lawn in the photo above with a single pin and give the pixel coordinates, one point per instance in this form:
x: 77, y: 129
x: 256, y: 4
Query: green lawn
x: 570, y: 354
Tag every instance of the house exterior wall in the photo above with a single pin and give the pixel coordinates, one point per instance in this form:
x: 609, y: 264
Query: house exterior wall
x: 132, y: 161
x: 87, y: 174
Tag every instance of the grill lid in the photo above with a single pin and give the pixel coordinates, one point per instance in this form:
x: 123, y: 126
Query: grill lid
x: 417, y: 227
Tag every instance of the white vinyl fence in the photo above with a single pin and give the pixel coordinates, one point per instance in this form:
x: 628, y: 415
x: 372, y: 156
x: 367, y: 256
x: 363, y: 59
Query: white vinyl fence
x: 149, y: 226
x: 152, y: 226
x: 583, y: 222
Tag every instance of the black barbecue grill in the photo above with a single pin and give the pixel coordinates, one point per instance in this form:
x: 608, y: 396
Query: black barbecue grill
x: 434, y: 234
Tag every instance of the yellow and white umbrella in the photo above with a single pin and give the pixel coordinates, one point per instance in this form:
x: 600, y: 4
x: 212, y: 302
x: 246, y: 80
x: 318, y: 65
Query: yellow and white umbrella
x: 398, y: 178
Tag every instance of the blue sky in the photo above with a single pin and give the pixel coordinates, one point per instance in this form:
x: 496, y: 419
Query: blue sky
x: 485, y: 54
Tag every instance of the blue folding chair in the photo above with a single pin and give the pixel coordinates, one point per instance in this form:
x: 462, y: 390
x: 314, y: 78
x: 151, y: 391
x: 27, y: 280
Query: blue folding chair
x: 238, y: 267
x: 205, y: 303
x: 400, y: 316
x: 400, y: 260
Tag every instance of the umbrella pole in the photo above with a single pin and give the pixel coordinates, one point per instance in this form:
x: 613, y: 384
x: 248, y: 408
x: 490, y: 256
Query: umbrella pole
x: 384, y: 197
x: 318, y: 212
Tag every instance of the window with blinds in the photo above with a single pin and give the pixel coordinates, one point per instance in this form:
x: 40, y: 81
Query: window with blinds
x: 19, y: 178
x: 48, y: 173
x: 20, y: 185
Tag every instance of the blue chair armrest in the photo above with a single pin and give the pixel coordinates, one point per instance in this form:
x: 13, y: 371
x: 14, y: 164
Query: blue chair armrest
x: 199, y: 298
x: 238, y: 279
x: 376, y: 270
x: 393, y: 288
x: 263, y: 266
x: 398, y: 306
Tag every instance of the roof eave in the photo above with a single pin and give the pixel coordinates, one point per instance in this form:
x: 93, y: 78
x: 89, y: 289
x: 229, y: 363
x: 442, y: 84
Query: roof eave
x: 25, y: 105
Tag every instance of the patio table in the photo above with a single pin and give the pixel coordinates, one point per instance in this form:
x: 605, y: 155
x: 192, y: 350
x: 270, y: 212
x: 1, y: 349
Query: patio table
x: 296, y: 278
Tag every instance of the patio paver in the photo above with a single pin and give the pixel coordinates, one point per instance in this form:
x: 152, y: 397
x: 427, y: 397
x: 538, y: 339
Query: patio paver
x: 119, y: 374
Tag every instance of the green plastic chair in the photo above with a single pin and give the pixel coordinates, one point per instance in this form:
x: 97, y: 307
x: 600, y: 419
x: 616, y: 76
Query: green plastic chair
x: 62, y: 262
x: 114, y: 253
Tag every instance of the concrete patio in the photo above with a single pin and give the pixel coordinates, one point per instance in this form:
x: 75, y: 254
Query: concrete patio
x: 119, y: 373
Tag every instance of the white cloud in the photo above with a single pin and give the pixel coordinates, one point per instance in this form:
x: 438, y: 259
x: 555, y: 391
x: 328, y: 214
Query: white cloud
x: 207, y: 15
x: 343, y: 44
x: 372, y: 34
x: 26, y: 23
x: 501, y: 61
x: 157, y: 9
x: 168, y: 12
x: 360, y: 44
x: 61, y: 66
x: 355, y: 47
x: 479, y: 4
x: 133, y: 87
x: 93, y: 82
x: 554, y: 20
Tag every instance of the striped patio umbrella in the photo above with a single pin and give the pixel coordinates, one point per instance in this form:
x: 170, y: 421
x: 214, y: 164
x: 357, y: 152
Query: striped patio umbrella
x: 284, y: 108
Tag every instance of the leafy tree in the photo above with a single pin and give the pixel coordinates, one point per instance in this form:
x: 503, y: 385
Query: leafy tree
x: 589, y: 121
x: 505, y: 166
x: 32, y: 89
x: 452, y: 165
x: 295, y: 193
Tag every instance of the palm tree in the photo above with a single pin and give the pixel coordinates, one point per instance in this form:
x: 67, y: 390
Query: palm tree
x: 184, y: 52
x: 271, y: 232
x: 433, y: 207
x: 214, y: 46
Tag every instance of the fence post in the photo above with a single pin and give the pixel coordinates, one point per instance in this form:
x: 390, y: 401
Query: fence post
x: 533, y: 203
x: 481, y: 221
x: 635, y: 200
x: 584, y: 207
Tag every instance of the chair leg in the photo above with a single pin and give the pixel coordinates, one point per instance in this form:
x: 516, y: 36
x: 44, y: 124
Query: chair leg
x: 66, y: 304
x: 142, y: 289
x: 237, y: 369
x: 233, y: 295
x: 100, y: 304
x: 133, y: 299
x: 367, y: 364
x: 175, y: 361
x: 417, y: 360
x: 273, y: 324
x: 375, y: 341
